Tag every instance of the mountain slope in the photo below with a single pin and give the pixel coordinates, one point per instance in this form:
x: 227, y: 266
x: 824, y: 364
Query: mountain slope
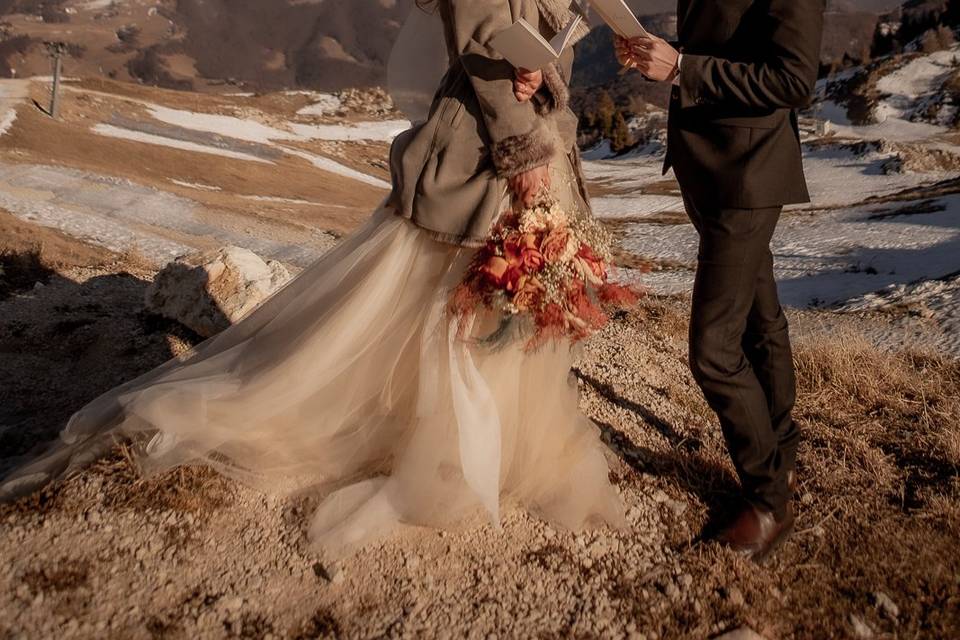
x: 320, y: 44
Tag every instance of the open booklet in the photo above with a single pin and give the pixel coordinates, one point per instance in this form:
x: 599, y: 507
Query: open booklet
x: 525, y: 48
x: 619, y: 17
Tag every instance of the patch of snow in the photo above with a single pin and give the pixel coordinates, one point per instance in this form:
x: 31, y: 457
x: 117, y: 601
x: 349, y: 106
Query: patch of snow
x: 195, y: 185
x: 837, y: 176
x: 253, y: 131
x: 333, y: 166
x: 6, y: 120
x: 634, y: 207
x: 93, y: 5
x: 324, y: 104
x: 829, y: 251
x: 292, y: 201
x: 601, y: 151
x: 918, y: 78
x: 228, y: 126
x: 120, y: 214
x: 835, y: 113
x: 147, y: 138
x: 377, y: 131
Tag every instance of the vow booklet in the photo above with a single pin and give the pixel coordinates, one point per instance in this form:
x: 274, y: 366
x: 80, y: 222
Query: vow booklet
x: 525, y: 48
x: 619, y: 17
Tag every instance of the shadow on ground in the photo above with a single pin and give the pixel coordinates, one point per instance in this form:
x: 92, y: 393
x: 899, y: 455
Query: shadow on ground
x: 682, y: 461
x: 62, y: 343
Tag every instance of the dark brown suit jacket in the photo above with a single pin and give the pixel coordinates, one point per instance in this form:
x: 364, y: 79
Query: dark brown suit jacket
x: 747, y: 66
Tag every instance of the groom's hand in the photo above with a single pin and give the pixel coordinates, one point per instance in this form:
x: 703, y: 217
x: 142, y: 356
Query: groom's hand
x: 654, y: 57
x: 526, y: 83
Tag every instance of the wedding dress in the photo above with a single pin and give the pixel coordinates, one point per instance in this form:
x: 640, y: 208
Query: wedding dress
x: 353, y: 383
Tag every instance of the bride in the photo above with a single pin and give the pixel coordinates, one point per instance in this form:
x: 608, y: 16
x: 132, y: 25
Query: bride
x: 353, y: 381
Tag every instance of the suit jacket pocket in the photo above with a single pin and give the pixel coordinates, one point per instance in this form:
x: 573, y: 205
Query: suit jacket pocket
x: 766, y: 121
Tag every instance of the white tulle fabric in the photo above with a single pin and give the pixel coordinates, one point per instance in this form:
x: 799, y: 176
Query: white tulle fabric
x: 352, y: 382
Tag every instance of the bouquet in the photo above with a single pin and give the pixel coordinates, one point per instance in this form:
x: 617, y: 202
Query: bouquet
x: 545, y: 269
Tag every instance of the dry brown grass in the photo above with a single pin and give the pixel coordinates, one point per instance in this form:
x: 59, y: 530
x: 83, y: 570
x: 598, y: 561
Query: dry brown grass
x: 36, y: 138
x: 187, y: 489
x: 878, y: 506
x: 894, y: 417
x: 50, y: 246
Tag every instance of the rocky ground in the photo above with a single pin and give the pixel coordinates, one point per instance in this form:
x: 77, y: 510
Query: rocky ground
x: 190, y: 555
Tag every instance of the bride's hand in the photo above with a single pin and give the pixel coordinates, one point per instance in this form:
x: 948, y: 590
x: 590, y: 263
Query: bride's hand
x: 526, y: 83
x: 528, y: 184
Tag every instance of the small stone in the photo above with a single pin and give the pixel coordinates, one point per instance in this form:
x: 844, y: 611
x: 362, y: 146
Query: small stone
x: 735, y: 597
x: 321, y: 572
x: 886, y: 605
x: 860, y: 627
x: 672, y: 591
x: 806, y: 499
x: 743, y: 633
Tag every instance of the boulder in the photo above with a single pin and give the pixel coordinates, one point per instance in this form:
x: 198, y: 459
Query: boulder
x: 210, y: 290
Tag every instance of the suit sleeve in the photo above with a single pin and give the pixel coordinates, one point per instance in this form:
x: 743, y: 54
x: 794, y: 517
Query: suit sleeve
x: 519, y: 138
x: 783, y: 76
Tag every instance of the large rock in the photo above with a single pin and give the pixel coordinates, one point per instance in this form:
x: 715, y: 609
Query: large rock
x: 210, y: 290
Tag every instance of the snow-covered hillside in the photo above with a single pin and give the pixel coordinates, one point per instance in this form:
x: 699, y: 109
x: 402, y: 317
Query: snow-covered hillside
x: 885, y: 210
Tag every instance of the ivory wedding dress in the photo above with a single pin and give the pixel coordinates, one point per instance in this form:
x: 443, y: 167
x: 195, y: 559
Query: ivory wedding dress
x: 352, y: 382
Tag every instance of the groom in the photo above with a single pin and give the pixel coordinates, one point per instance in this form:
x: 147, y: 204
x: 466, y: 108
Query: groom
x: 740, y: 70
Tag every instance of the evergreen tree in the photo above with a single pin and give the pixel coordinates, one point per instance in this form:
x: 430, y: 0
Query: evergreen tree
x: 620, y: 138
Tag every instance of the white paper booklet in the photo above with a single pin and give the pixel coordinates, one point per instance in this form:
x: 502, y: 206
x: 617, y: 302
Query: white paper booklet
x: 619, y: 17
x: 525, y: 48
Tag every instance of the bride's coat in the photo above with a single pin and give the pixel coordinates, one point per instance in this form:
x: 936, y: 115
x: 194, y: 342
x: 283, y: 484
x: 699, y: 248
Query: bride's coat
x: 450, y: 173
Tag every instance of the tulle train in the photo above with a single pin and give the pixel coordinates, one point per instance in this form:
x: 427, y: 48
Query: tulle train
x: 351, y: 381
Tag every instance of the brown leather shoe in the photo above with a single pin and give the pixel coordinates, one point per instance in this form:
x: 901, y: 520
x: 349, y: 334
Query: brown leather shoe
x: 756, y: 533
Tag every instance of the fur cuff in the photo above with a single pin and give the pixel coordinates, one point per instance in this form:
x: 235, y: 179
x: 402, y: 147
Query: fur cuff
x: 559, y: 13
x: 516, y: 154
x: 554, y: 94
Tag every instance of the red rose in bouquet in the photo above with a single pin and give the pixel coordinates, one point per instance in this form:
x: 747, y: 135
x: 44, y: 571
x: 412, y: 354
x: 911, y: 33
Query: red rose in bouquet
x: 548, y: 266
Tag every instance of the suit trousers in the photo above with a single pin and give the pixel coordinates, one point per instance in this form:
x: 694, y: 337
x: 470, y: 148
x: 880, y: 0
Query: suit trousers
x: 740, y: 350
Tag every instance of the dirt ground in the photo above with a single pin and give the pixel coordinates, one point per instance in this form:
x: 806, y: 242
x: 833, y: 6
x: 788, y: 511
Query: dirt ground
x: 189, y: 555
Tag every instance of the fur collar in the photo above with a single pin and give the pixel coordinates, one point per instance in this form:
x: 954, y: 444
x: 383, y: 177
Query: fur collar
x: 559, y: 13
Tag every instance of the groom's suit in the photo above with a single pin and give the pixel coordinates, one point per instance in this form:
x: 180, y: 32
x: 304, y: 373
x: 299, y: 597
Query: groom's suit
x: 734, y: 145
